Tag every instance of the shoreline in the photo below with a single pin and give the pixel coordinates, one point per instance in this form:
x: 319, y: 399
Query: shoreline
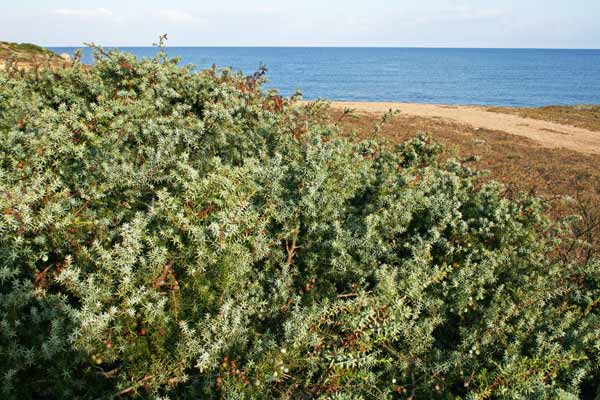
x: 546, y: 133
x: 380, y: 103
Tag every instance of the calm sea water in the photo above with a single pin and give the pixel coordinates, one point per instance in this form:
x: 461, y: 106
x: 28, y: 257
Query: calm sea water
x: 506, y: 77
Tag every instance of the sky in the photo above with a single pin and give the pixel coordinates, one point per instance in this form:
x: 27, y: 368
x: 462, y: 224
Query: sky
x: 387, y: 23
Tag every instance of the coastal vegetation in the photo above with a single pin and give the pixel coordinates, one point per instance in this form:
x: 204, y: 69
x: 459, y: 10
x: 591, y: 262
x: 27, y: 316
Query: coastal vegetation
x: 565, y: 179
x: 584, y: 115
x: 27, y: 55
x: 23, y: 50
x: 178, y: 234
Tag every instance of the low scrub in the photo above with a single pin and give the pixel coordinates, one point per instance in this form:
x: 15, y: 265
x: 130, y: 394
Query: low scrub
x: 182, y: 234
x: 23, y: 51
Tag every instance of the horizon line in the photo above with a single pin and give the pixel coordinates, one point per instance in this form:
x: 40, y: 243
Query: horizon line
x: 333, y: 47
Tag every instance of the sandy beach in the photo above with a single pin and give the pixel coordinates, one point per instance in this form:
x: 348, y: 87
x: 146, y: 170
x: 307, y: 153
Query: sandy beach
x: 546, y: 133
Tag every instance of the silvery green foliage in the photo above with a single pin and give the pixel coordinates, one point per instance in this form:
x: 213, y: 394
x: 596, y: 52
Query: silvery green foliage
x: 174, y: 234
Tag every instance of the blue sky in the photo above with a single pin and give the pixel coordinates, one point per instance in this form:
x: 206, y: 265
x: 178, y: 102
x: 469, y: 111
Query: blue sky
x: 422, y: 23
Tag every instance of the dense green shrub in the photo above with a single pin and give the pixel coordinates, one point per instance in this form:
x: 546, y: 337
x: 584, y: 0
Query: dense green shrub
x: 171, y: 233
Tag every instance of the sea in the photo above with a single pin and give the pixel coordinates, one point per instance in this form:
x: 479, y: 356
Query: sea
x: 492, y: 77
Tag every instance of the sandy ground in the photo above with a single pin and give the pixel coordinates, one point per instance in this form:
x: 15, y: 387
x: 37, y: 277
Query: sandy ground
x: 547, y: 134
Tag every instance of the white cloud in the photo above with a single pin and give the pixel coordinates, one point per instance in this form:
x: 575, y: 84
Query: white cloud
x: 84, y: 12
x: 477, y: 14
x: 461, y: 14
x: 176, y: 16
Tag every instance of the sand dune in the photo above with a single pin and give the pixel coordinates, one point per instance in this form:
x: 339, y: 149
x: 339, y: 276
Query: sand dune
x: 546, y: 133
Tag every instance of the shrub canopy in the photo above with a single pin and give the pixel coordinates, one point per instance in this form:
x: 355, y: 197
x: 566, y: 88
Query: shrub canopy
x: 166, y: 232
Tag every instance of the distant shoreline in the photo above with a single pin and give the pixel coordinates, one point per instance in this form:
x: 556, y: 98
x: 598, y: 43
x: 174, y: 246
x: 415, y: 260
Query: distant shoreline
x: 378, y: 105
x: 328, y: 47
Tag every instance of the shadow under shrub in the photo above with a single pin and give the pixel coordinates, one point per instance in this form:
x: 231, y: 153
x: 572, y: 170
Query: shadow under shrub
x: 182, y: 234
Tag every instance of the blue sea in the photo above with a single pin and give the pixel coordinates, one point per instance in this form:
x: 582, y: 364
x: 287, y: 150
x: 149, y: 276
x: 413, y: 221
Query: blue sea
x: 503, y: 77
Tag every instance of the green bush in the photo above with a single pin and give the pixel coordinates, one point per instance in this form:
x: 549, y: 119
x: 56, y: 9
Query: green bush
x: 168, y: 233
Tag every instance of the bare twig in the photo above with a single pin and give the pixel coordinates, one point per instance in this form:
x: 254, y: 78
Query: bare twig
x: 162, y: 280
x: 99, y: 49
x: 291, y: 251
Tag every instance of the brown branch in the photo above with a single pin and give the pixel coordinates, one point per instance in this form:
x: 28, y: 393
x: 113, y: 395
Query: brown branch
x: 350, y: 295
x: 291, y: 251
x: 142, y: 382
x: 346, y: 113
x: 347, y: 295
x: 83, y: 207
x: 99, y: 49
x: 134, y: 387
x: 592, y: 305
x: 40, y: 278
x: 167, y: 273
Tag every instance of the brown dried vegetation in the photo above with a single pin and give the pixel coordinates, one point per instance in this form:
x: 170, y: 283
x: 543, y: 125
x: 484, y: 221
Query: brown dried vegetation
x: 581, y: 116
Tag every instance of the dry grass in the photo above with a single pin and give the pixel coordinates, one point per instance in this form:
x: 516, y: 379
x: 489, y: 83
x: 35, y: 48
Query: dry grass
x: 518, y: 162
x: 27, y: 56
x: 582, y: 116
x: 546, y: 133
